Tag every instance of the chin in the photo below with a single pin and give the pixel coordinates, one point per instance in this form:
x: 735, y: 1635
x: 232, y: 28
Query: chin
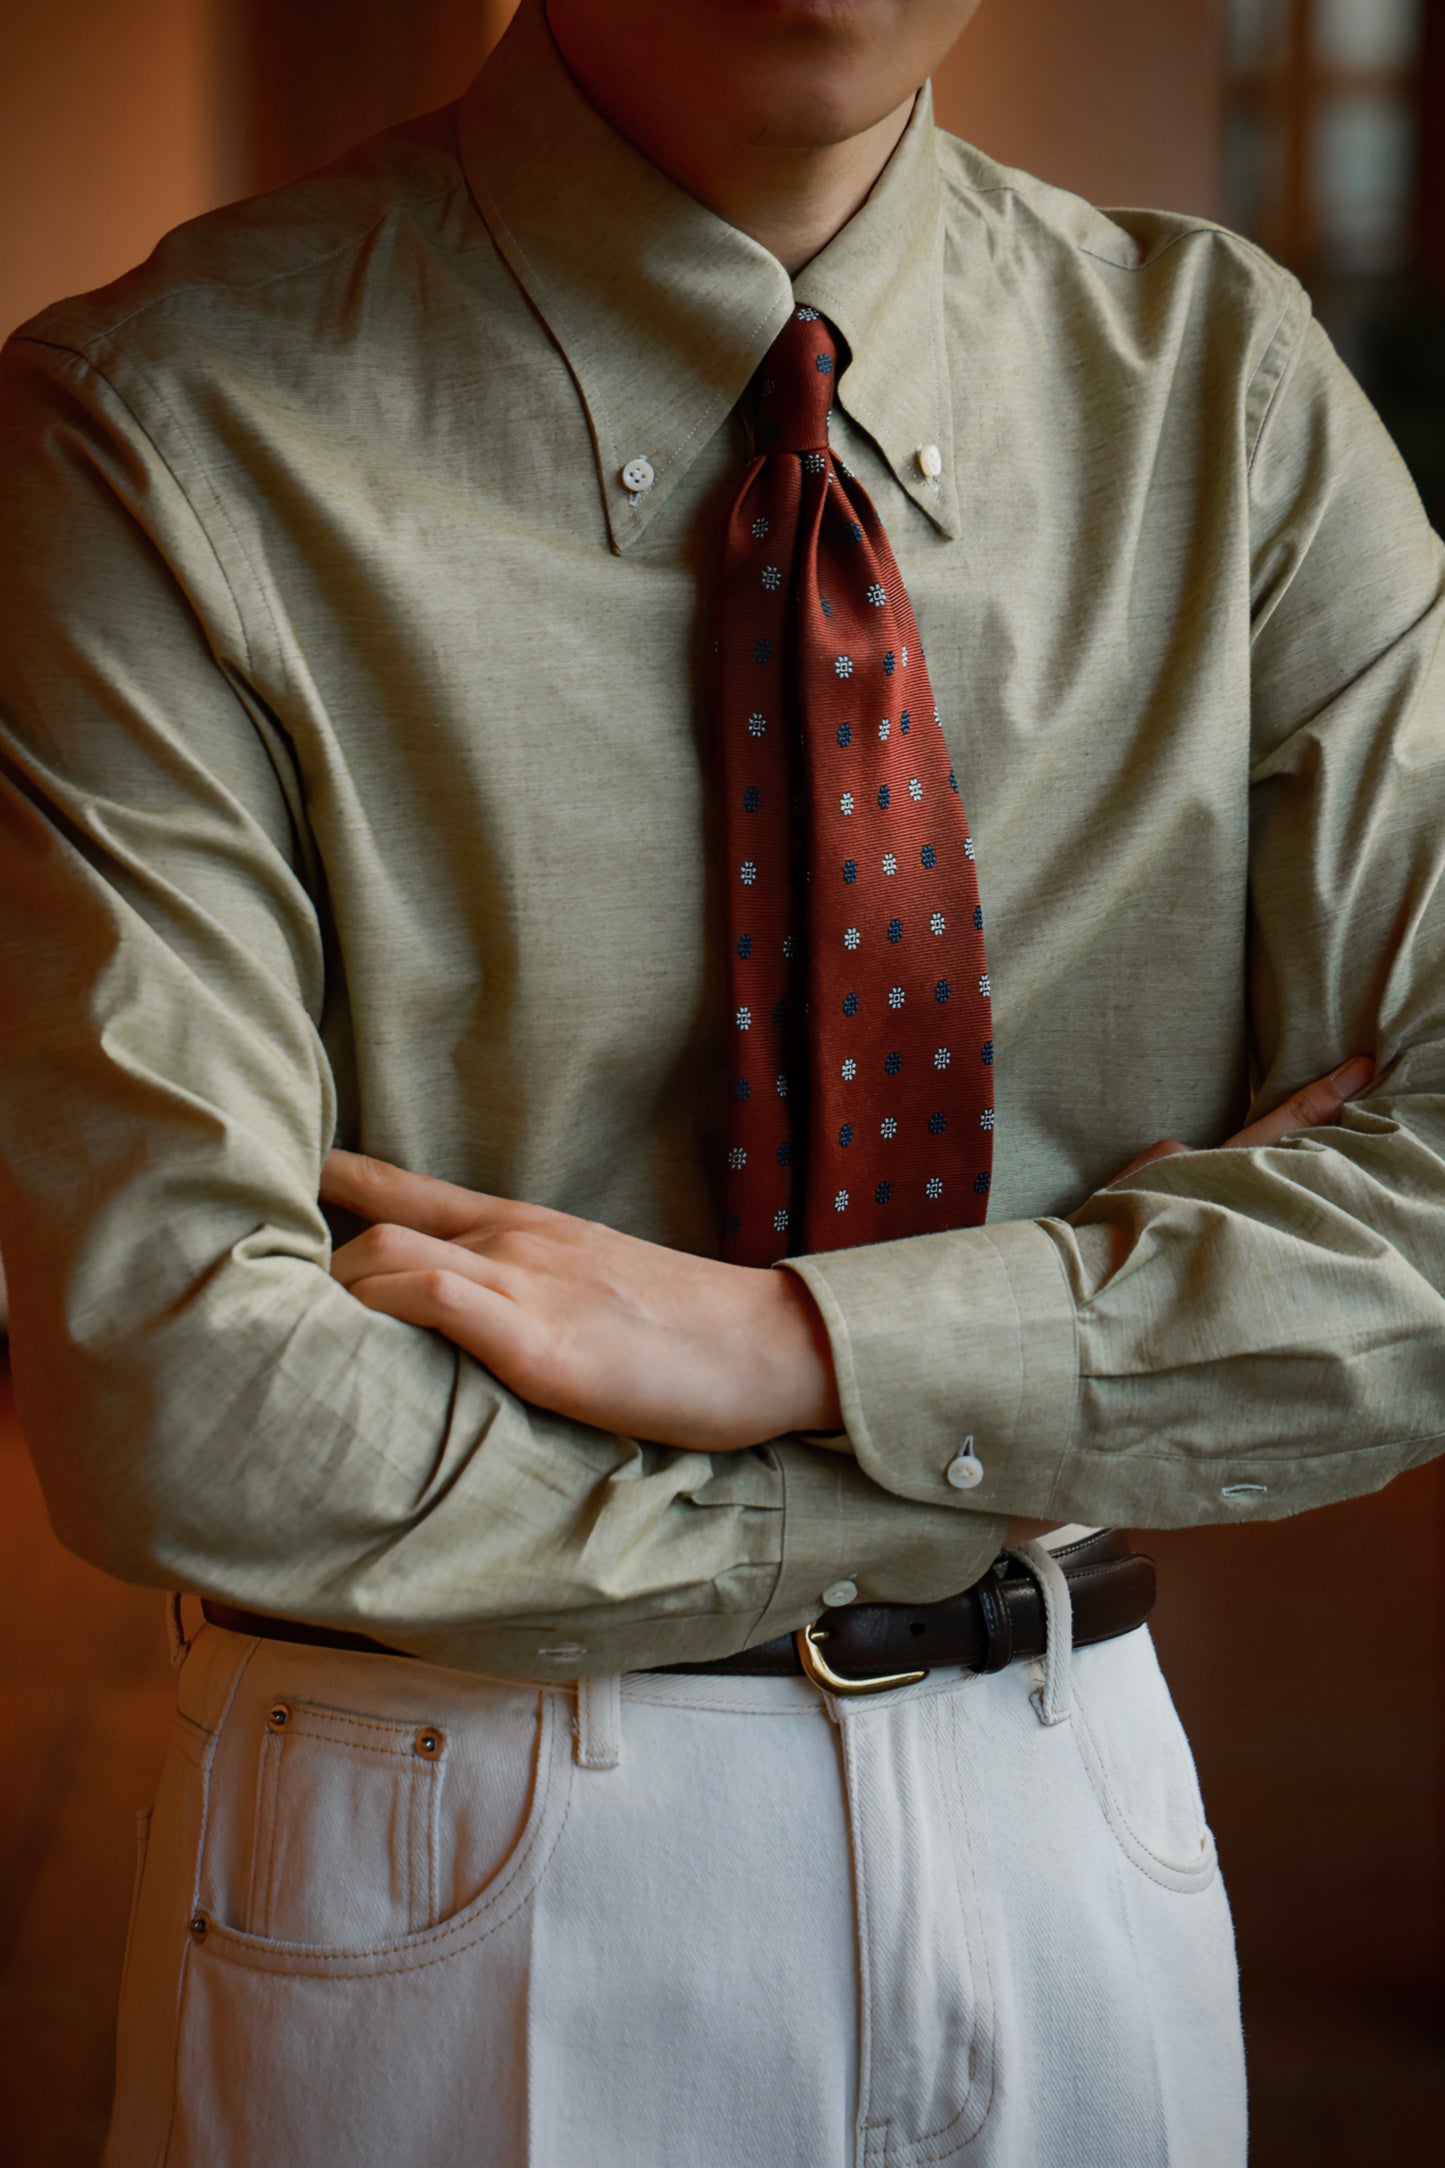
x: 812, y: 114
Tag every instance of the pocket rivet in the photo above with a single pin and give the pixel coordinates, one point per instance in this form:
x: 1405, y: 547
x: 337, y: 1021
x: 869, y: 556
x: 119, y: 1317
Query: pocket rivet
x: 429, y: 1742
x: 278, y: 1718
x: 198, y: 1926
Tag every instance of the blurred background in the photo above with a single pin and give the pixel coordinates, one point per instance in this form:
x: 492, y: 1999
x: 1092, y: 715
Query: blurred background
x: 1318, y: 128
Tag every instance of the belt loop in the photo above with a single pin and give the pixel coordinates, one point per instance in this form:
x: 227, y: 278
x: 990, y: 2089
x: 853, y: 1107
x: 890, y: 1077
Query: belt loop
x: 599, y: 1721
x: 175, y: 1630
x: 1053, y: 1702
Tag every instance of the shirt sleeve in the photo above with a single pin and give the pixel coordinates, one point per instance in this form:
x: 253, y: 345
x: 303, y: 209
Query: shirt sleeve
x: 1236, y: 1332
x: 206, y: 1406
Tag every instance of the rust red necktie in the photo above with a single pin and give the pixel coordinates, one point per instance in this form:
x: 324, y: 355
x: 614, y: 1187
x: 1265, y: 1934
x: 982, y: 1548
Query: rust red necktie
x: 861, y: 1041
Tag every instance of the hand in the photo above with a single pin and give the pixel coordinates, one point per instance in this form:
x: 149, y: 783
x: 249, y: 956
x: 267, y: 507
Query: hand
x: 600, y: 1326
x: 1308, y: 1108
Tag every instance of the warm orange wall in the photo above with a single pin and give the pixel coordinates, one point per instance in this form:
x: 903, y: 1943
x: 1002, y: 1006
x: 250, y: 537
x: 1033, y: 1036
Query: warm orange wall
x: 106, y: 138
x: 1120, y: 100
x: 119, y: 118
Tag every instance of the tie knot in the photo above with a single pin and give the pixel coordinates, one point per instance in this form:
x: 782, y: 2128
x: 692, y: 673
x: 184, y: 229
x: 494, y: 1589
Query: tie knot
x: 794, y: 385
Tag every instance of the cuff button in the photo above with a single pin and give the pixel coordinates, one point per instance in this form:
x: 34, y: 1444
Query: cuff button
x: 965, y: 1472
x: 839, y: 1593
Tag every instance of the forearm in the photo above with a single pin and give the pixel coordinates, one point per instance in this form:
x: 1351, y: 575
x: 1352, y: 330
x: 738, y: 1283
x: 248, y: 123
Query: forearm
x: 1228, y: 1334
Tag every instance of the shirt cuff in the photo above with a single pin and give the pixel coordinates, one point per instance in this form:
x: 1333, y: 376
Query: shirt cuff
x: 839, y: 1530
x: 956, y: 1362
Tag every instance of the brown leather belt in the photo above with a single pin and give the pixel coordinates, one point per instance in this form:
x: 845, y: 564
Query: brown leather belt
x: 870, y: 1646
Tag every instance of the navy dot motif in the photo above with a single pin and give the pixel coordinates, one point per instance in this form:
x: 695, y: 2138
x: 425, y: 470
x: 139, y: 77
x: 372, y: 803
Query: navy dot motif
x: 858, y: 995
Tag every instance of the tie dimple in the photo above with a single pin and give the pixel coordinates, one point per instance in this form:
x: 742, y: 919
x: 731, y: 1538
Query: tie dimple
x: 860, y: 1104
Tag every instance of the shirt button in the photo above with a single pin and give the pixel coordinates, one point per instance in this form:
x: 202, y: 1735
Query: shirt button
x: 841, y: 1592
x: 965, y: 1472
x: 930, y: 461
x: 637, y: 475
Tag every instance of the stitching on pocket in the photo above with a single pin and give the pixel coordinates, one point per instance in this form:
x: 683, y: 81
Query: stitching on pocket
x: 1188, y: 1879
x: 509, y: 1889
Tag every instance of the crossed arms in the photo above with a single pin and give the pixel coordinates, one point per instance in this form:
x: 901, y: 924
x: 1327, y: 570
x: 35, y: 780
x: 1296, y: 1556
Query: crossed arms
x: 1255, y: 1329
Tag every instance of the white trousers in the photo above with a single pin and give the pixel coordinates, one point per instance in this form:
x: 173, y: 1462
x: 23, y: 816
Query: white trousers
x: 393, y: 1916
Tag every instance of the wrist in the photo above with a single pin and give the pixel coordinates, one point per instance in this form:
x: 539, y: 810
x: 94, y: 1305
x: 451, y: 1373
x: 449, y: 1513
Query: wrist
x: 809, y: 1381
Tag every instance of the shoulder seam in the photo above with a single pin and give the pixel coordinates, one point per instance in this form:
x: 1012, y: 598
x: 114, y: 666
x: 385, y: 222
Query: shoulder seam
x: 239, y: 286
x: 1293, y: 303
x: 73, y: 354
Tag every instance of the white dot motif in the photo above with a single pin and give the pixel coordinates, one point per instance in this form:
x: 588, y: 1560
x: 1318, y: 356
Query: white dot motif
x: 938, y: 923
x: 895, y: 997
x: 851, y: 937
x: 787, y: 944
x: 747, y: 872
x: 940, y: 1057
x: 876, y: 595
x: 780, y: 1085
x: 737, y: 1158
x: 744, y: 1019
x: 760, y: 528
x: 757, y: 724
x: 780, y: 1221
x: 849, y: 1070
x: 905, y: 658
x: 840, y: 1201
x: 968, y: 848
x: 890, y: 863
x: 888, y: 1127
x: 985, y: 1120
x: 843, y: 666
x: 883, y: 728
x: 915, y: 789
x: 772, y: 578
x: 845, y: 803
x: 807, y: 316
x: 933, y: 1187
x: 983, y: 985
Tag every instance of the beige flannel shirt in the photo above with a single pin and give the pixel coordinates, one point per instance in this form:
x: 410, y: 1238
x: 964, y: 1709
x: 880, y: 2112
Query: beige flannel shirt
x: 354, y: 718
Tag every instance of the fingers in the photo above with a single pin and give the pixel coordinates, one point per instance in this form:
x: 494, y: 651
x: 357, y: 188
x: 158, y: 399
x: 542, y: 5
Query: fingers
x: 388, y: 1249
x: 376, y: 1191
x: 474, y: 1318
x: 1312, y: 1105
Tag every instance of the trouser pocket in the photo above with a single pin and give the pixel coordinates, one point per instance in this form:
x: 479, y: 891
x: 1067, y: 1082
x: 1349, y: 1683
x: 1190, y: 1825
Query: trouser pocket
x: 345, y: 1833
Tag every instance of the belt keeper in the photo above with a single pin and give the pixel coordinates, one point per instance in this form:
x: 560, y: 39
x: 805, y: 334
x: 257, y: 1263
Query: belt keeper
x: 998, y: 1625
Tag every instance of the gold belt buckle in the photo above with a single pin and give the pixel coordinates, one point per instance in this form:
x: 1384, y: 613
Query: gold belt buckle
x: 821, y: 1672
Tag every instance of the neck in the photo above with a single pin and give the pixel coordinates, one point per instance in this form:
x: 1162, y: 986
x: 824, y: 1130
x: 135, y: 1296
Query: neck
x: 791, y: 198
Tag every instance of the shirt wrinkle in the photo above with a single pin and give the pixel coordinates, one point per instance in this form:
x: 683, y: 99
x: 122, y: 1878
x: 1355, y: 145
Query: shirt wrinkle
x: 479, y: 912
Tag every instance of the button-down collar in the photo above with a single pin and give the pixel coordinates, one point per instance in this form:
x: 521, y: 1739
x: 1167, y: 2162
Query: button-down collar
x: 663, y: 310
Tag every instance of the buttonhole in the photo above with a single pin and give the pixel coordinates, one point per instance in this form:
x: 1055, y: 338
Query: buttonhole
x: 1245, y: 1490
